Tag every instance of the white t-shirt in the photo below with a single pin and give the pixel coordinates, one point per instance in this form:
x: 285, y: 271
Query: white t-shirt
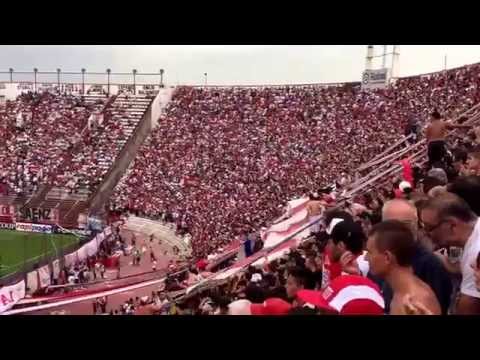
x: 469, y: 257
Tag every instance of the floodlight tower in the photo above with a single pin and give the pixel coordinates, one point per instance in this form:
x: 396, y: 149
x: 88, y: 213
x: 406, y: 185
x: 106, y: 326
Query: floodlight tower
x: 395, y: 61
x: 369, y: 59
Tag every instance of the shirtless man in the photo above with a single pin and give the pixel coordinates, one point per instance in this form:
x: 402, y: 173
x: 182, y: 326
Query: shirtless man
x: 436, y: 133
x: 390, y: 248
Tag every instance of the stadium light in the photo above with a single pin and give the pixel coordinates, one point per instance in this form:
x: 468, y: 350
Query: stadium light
x: 161, y: 77
x: 58, y: 77
x: 134, y: 71
x: 11, y: 74
x: 108, y: 81
x: 83, y: 81
x: 35, y: 70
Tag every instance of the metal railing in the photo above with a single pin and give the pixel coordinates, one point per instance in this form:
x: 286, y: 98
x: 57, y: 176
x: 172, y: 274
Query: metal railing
x: 82, y: 77
x: 419, y: 154
x: 134, y: 77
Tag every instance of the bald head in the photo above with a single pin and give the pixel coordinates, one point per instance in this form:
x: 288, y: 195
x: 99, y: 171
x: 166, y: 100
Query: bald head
x: 401, y: 210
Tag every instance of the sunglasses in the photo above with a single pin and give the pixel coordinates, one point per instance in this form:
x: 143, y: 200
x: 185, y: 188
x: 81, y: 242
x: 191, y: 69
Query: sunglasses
x: 429, y: 228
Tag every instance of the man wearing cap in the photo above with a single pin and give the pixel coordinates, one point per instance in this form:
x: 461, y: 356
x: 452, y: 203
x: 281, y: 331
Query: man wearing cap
x: 344, y: 251
x: 346, y: 295
x: 391, y: 247
x: 424, y: 263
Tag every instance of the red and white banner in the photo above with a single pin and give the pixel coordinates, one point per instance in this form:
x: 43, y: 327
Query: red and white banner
x: 56, y: 268
x: 82, y: 253
x: 70, y: 259
x: 88, y: 249
x: 277, y: 253
x: 32, y: 282
x: 92, y: 248
x: 296, y: 205
x: 282, y: 230
x: 10, y: 295
x: 44, y: 277
x: 275, y: 241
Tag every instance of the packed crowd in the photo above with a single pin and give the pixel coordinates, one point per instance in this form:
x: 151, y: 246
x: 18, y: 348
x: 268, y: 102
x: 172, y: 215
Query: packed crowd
x: 63, y: 140
x: 415, y: 251
x: 224, y: 161
x: 105, y: 139
x: 39, y: 133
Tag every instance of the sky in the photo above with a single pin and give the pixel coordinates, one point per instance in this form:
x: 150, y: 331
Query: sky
x: 232, y: 64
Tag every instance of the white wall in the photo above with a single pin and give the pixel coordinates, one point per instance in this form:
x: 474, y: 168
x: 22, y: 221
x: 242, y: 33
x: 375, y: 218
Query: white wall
x: 160, y: 102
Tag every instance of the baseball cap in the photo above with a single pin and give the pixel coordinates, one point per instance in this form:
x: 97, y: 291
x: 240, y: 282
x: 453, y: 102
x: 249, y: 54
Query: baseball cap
x: 333, y: 217
x: 272, y: 306
x: 340, y: 229
x: 404, y: 185
x: 239, y: 307
x: 347, y: 295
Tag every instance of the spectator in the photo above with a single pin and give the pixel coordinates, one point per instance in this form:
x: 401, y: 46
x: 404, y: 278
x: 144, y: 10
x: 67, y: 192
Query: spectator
x: 391, y: 247
x: 296, y: 280
x: 450, y: 222
x: 425, y: 264
x: 346, y: 246
x: 468, y: 188
x: 346, y: 295
x: 241, y: 184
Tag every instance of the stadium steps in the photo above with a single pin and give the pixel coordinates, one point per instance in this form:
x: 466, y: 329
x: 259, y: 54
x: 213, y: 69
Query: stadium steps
x: 127, y: 113
x: 70, y: 220
x: 37, y: 200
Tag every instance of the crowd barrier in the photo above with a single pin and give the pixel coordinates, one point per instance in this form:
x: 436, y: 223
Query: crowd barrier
x: 43, y: 276
x: 278, y: 239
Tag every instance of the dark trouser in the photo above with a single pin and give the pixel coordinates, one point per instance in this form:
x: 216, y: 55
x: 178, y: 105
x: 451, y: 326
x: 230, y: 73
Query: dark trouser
x: 436, y: 152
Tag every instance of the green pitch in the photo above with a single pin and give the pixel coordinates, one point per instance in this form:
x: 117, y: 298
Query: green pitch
x: 18, y: 248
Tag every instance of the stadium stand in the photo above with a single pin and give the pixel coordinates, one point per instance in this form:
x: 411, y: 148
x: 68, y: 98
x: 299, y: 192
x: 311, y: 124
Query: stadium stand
x: 224, y: 160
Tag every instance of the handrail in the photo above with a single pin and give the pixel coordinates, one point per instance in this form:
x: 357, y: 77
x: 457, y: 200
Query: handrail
x: 371, y: 177
x: 375, y: 159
